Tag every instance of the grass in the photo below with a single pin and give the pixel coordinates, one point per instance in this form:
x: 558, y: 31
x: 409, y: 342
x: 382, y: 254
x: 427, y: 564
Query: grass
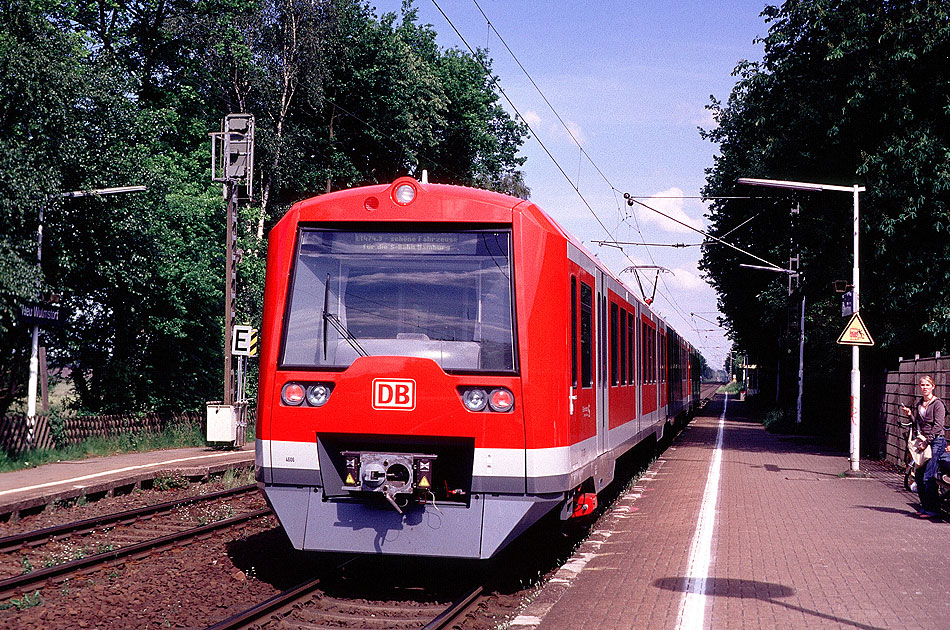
x: 175, y: 436
x: 170, y: 481
x: 22, y: 603
x: 235, y: 477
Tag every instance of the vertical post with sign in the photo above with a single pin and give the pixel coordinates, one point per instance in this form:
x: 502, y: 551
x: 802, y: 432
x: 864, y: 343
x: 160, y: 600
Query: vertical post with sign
x: 232, y: 164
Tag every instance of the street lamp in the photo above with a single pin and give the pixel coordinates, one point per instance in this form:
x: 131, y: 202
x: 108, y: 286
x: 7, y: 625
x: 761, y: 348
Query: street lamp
x: 855, y: 450
x: 35, y: 345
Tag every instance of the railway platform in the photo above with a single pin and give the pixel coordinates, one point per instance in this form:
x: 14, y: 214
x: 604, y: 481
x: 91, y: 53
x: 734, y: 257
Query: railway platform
x: 733, y: 527
x: 32, y: 489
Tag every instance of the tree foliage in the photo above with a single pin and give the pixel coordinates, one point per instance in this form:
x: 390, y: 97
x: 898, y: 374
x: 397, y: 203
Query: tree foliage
x: 848, y: 92
x: 96, y: 93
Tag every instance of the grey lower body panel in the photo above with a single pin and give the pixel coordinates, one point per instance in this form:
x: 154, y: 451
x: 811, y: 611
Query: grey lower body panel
x: 479, y: 530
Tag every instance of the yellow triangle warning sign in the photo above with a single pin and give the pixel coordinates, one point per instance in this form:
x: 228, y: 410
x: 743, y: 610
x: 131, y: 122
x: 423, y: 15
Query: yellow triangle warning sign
x: 856, y: 333
x: 424, y: 482
x: 350, y: 481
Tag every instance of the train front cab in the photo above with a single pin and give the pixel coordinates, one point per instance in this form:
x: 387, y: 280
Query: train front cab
x: 378, y: 330
x: 385, y: 344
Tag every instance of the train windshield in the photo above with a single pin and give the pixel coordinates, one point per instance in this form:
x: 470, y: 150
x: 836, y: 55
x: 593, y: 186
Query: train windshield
x: 441, y: 295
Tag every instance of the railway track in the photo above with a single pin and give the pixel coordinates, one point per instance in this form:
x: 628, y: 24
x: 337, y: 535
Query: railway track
x: 307, y: 605
x: 130, y: 534
x: 303, y: 606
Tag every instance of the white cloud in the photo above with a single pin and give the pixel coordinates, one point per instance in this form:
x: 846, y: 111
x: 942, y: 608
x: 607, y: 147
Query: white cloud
x: 670, y: 203
x: 533, y: 119
x: 552, y: 128
x: 686, y: 280
x: 575, y: 131
x: 704, y: 119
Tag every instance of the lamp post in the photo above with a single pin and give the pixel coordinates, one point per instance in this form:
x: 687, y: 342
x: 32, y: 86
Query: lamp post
x: 855, y: 450
x: 34, y: 350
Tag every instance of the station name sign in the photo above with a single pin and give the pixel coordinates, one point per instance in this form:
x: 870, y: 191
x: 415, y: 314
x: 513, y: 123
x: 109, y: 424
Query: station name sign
x: 43, y: 315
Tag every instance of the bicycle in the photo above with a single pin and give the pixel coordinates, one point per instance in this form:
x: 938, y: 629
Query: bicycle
x: 910, y: 468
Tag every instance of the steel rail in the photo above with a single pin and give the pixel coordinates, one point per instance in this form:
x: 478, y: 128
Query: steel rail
x: 455, y: 610
x: 10, y: 543
x: 290, y: 597
x: 267, y: 607
x: 12, y: 585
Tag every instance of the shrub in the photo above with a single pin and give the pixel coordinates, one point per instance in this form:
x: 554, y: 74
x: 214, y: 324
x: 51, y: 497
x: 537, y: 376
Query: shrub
x: 170, y: 481
x: 779, y: 420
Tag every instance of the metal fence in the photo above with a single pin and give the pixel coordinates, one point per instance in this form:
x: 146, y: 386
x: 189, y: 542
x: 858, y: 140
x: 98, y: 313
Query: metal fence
x: 900, y: 387
x: 52, y: 431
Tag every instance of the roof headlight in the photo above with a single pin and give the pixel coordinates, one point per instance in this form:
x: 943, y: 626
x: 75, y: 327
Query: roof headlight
x: 404, y: 194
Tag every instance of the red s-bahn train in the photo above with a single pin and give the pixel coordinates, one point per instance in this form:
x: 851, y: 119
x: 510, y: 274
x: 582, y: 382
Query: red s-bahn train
x: 443, y: 366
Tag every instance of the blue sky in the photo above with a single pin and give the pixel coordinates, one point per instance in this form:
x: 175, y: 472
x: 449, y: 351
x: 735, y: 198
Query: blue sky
x: 631, y: 80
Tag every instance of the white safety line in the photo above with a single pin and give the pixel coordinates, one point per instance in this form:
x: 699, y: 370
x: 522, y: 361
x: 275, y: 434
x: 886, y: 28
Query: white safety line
x: 111, y: 472
x: 692, y: 613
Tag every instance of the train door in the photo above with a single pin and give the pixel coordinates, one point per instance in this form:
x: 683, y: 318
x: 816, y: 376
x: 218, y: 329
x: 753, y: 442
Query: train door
x: 636, y: 367
x: 602, y: 377
x: 583, y: 422
x: 663, y: 373
x: 648, y: 368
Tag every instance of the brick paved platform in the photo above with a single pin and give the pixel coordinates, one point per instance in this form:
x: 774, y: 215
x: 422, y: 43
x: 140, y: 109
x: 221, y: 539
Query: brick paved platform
x: 32, y: 489
x: 793, y: 544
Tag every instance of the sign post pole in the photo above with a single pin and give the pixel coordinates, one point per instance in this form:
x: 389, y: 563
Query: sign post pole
x: 856, y: 353
x: 234, y: 168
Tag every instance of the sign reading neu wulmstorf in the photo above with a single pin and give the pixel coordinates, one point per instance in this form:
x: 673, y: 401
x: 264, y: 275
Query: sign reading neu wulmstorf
x: 43, y: 315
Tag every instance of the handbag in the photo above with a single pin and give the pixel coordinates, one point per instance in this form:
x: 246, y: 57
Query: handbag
x: 920, y: 457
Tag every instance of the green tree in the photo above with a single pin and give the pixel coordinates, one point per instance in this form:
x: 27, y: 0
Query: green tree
x: 848, y: 91
x: 95, y: 93
x: 41, y: 77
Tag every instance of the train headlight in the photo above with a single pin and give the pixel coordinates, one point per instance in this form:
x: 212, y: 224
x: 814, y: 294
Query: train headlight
x: 318, y: 394
x: 474, y: 399
x: 404, y: 194
x: 501, y: 399
x: 292, y: 394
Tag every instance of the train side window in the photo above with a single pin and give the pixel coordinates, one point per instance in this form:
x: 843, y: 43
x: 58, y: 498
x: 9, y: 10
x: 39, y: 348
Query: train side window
x: 587, y: 335
x: 662, y: 351
x: 654, y: 359
x: 645, y: 354
x: 574, y: 332
x: 631, y: 350
x: 623, y: 346
x: 649, y: 353
x: 652, y: 355
x: 602, y: 339
x: 614, y: 356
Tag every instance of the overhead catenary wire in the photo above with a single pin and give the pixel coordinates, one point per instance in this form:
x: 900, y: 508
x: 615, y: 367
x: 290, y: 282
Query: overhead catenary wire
x: 705, y: 234
x: 547, y: 151
x: 520, y: 115
x: 567, y: 128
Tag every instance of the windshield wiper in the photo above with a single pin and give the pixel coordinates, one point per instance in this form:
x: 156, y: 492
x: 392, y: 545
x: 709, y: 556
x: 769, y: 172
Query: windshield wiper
x: 338, y: 325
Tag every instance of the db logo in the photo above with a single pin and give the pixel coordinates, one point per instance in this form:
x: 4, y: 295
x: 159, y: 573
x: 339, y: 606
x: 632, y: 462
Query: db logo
x: 394, y: 394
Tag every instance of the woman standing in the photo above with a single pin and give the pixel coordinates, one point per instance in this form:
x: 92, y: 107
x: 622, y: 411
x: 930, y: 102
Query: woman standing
x: 928, y: 414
